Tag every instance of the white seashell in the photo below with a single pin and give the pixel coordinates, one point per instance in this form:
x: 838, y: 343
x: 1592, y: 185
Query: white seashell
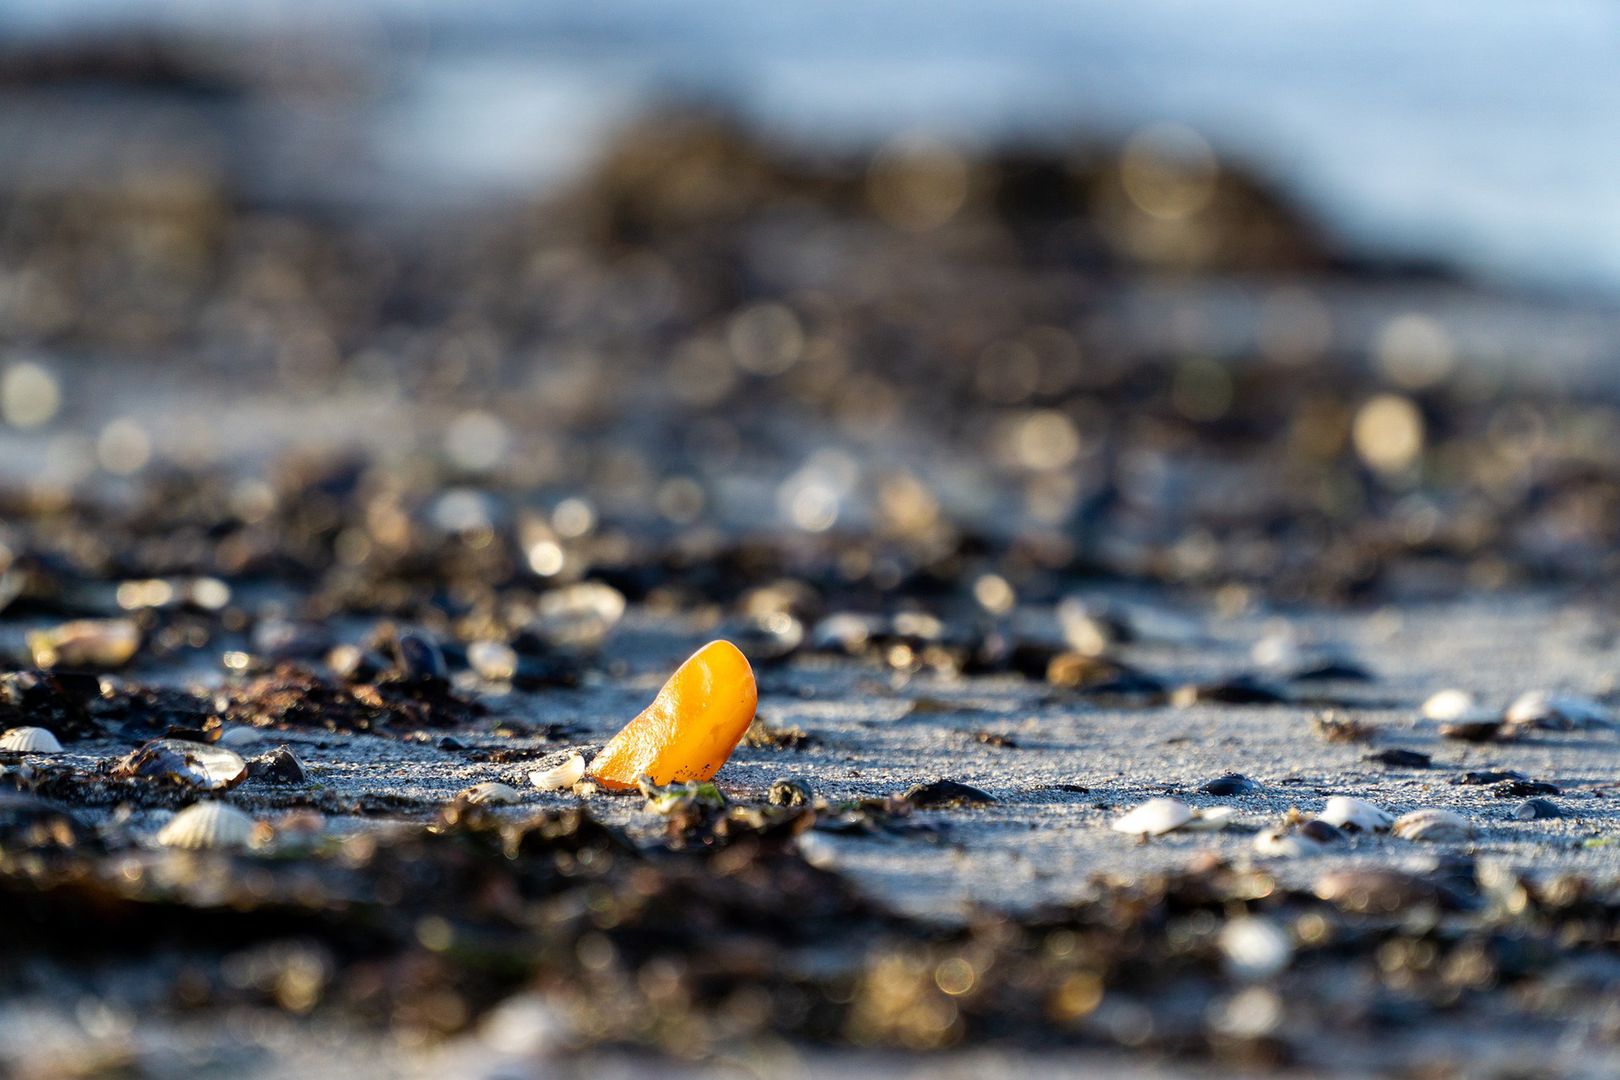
x: 30, y: 740
x: 1355, y: 815
x: 1557, y: 711
x: 1286, y: 843
x: 1210, y: 819
x: 208, y: 826
x: 1154, y: 817
x: 490, y: 793
x: 1449, y: 705
x: 237, y: 737
x: 560, y: 777
x: 1255, y: 947
x: 1436, y: 826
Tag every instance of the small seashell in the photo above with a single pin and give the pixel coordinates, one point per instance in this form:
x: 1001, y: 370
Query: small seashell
x: 1435, y: 826
x: 1536, y: 810
x: 239, y: 737
x: 1450, y: 705
x: 1255, y: 947
x: 199, y: 765
x: 1210, y: 819
x: 30, y: 740
x: 1355, y: 815
x: 1556, y: 712
x: 208, y: 826
x: 788, y: 792
x: 93, y: 643
x: 490, y: 793
x: 561, y: 776
x: 1154, y: 818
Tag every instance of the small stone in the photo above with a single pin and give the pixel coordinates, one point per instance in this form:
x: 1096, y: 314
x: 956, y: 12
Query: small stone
x: 279, y: 766
x: 1518, y: 789
x: 1230, y: 784
x: 1401, y: 759
x: 1446, y: 705
x: 946, y: 795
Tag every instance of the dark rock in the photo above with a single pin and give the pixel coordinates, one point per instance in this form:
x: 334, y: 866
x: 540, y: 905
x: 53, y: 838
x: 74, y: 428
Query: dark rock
x: 1401, y: 759
x: 1519, y: 789
x: 1230, y: 784
x: 279, y: 766
x: 1488, y: 776
x: 946, y: 794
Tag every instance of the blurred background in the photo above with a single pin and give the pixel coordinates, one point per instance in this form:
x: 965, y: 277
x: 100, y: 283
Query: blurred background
x: 1260, y: 292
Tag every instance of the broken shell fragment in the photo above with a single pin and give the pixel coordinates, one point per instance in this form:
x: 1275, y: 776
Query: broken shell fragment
x: 489, y: 793
x: 1355, y: 815
x: 85, y: 643
x: 208, y: 826
x: 1154, y: 818
x: 560, y: 776
x: 691, y: 727
x: 1434, y: 826
x: 198, y: 765
x: 30, y: 740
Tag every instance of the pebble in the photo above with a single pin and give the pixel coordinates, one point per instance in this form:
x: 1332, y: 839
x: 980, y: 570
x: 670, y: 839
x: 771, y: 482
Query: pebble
x: 1401, y: 759
x: 946, y: 794
x: 1230, y: 784
x: 1448, y: 705
x: 279, y: 766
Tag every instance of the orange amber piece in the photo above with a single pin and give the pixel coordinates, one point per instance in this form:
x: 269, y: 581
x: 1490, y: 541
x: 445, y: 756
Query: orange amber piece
x: 691, y: 727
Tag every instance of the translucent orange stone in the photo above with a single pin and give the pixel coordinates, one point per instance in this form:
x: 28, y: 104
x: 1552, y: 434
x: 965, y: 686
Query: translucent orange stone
x: 690, y: 728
